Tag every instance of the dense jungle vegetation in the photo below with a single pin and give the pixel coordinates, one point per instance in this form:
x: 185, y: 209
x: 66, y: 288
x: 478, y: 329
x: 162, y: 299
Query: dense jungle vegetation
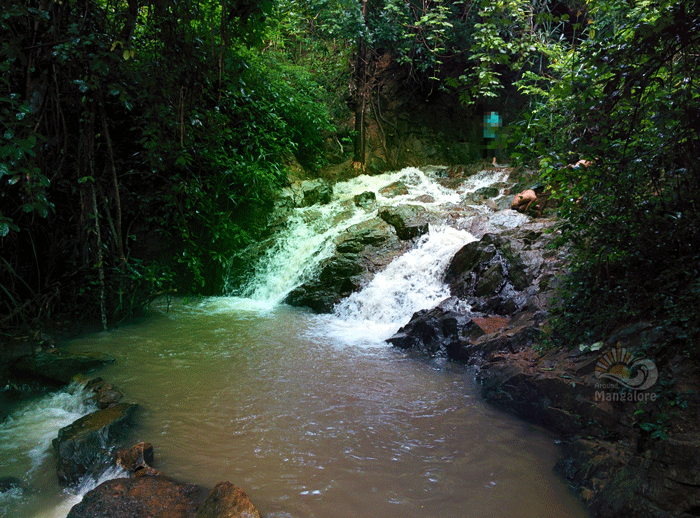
x: 141, y: 142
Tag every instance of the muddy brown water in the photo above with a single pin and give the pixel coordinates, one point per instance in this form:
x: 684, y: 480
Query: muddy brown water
x: 312, y: 427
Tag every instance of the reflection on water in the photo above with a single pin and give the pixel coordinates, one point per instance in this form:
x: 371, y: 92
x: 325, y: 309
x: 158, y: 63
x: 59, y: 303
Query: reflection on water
x: 314, y: 427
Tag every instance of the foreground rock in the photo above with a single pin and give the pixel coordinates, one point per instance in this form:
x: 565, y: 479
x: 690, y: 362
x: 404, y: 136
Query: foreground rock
x: 140, y: 497
x: 227, y: 500
x: 58, y: 366
x: 147, y: 493
x: 86, y: 447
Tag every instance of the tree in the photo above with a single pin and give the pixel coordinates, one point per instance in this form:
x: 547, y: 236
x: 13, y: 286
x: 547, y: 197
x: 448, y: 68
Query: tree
x: 629, y: 102
x: 109, y: 136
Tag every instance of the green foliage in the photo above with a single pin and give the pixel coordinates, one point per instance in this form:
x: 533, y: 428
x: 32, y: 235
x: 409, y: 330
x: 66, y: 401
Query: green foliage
x: 656, y: 417
x: 512, y: 41
x: 129, y: 171
x: 627, y: 99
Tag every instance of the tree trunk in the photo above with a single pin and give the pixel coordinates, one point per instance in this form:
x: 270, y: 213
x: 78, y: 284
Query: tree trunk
x: 361, y: 94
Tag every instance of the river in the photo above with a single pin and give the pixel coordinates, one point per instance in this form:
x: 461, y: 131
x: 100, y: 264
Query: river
x: 315, y: 416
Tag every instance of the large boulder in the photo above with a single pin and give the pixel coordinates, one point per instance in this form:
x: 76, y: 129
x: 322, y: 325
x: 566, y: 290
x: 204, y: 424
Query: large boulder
x: 489, y: 276
x: 227, y: 500
x: 140, y: 497
x: 86, y: 447
x: 444, y: 331
x: 58, y: 366
x: 360, y: 252
x: 316, y: 192
x: 409, y: 221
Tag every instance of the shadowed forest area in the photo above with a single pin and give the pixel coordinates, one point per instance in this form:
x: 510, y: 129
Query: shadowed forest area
x: 142, y: 142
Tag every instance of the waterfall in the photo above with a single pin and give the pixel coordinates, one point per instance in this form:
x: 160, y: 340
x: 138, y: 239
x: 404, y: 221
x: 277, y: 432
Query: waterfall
x: 309, y: 232
x: 26, y: 435
x: 410, y: 283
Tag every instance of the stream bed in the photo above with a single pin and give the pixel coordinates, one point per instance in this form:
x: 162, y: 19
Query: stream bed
x: 315, y: 416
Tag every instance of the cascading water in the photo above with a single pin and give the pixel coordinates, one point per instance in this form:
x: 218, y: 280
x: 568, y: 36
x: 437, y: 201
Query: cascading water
x: 410, y: 283
x: 309, y: 234
x: 273, y: 399
x: 26, y: 452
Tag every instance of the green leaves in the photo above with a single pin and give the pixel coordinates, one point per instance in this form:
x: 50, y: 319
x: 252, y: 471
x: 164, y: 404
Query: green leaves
x: 624, y: 100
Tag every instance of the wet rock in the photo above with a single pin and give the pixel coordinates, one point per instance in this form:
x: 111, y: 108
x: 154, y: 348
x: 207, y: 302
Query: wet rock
x: 316, y: 192
x: 394, y: 189
x: 58, y: 366
x: 304, y: 194
x: 86, y: 446
x: 361, y: 251
x: 105, y: 394
x: 484, y: 193
x: 615, y: 480
x: 366, y: 200
x: 443, y: 331
x: 137, y: 460
x: 140, y: 497
x: 227, y: 500
x: 409, y: 221
x: 487, y: 275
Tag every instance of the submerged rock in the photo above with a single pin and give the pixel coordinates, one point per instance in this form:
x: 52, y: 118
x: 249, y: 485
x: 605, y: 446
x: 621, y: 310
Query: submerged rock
x: 86, y: 446
x: 58, y: 366
x: 140, y: 497
x: 227, y: 500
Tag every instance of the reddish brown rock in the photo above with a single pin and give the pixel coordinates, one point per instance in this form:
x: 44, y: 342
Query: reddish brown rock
x: 227, y: 500
x: 137, y: 460
x: 140, y: 497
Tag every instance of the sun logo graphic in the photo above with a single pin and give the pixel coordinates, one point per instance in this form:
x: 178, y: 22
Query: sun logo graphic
x: 622, y: 367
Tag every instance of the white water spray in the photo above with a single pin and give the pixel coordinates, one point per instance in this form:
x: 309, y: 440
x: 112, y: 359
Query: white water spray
x: 25, y: 453
x: 26, y: 435
x: 410, y: 283
x: 310, y: 232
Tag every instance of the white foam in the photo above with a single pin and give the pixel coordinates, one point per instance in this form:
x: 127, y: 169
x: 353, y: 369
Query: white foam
x: 26, y: 435
x: 411, y: 282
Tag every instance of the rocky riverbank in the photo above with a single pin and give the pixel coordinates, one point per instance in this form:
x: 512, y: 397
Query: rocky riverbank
x: 627, y: 423
x: 624, y: 408
x: 94, y: 444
